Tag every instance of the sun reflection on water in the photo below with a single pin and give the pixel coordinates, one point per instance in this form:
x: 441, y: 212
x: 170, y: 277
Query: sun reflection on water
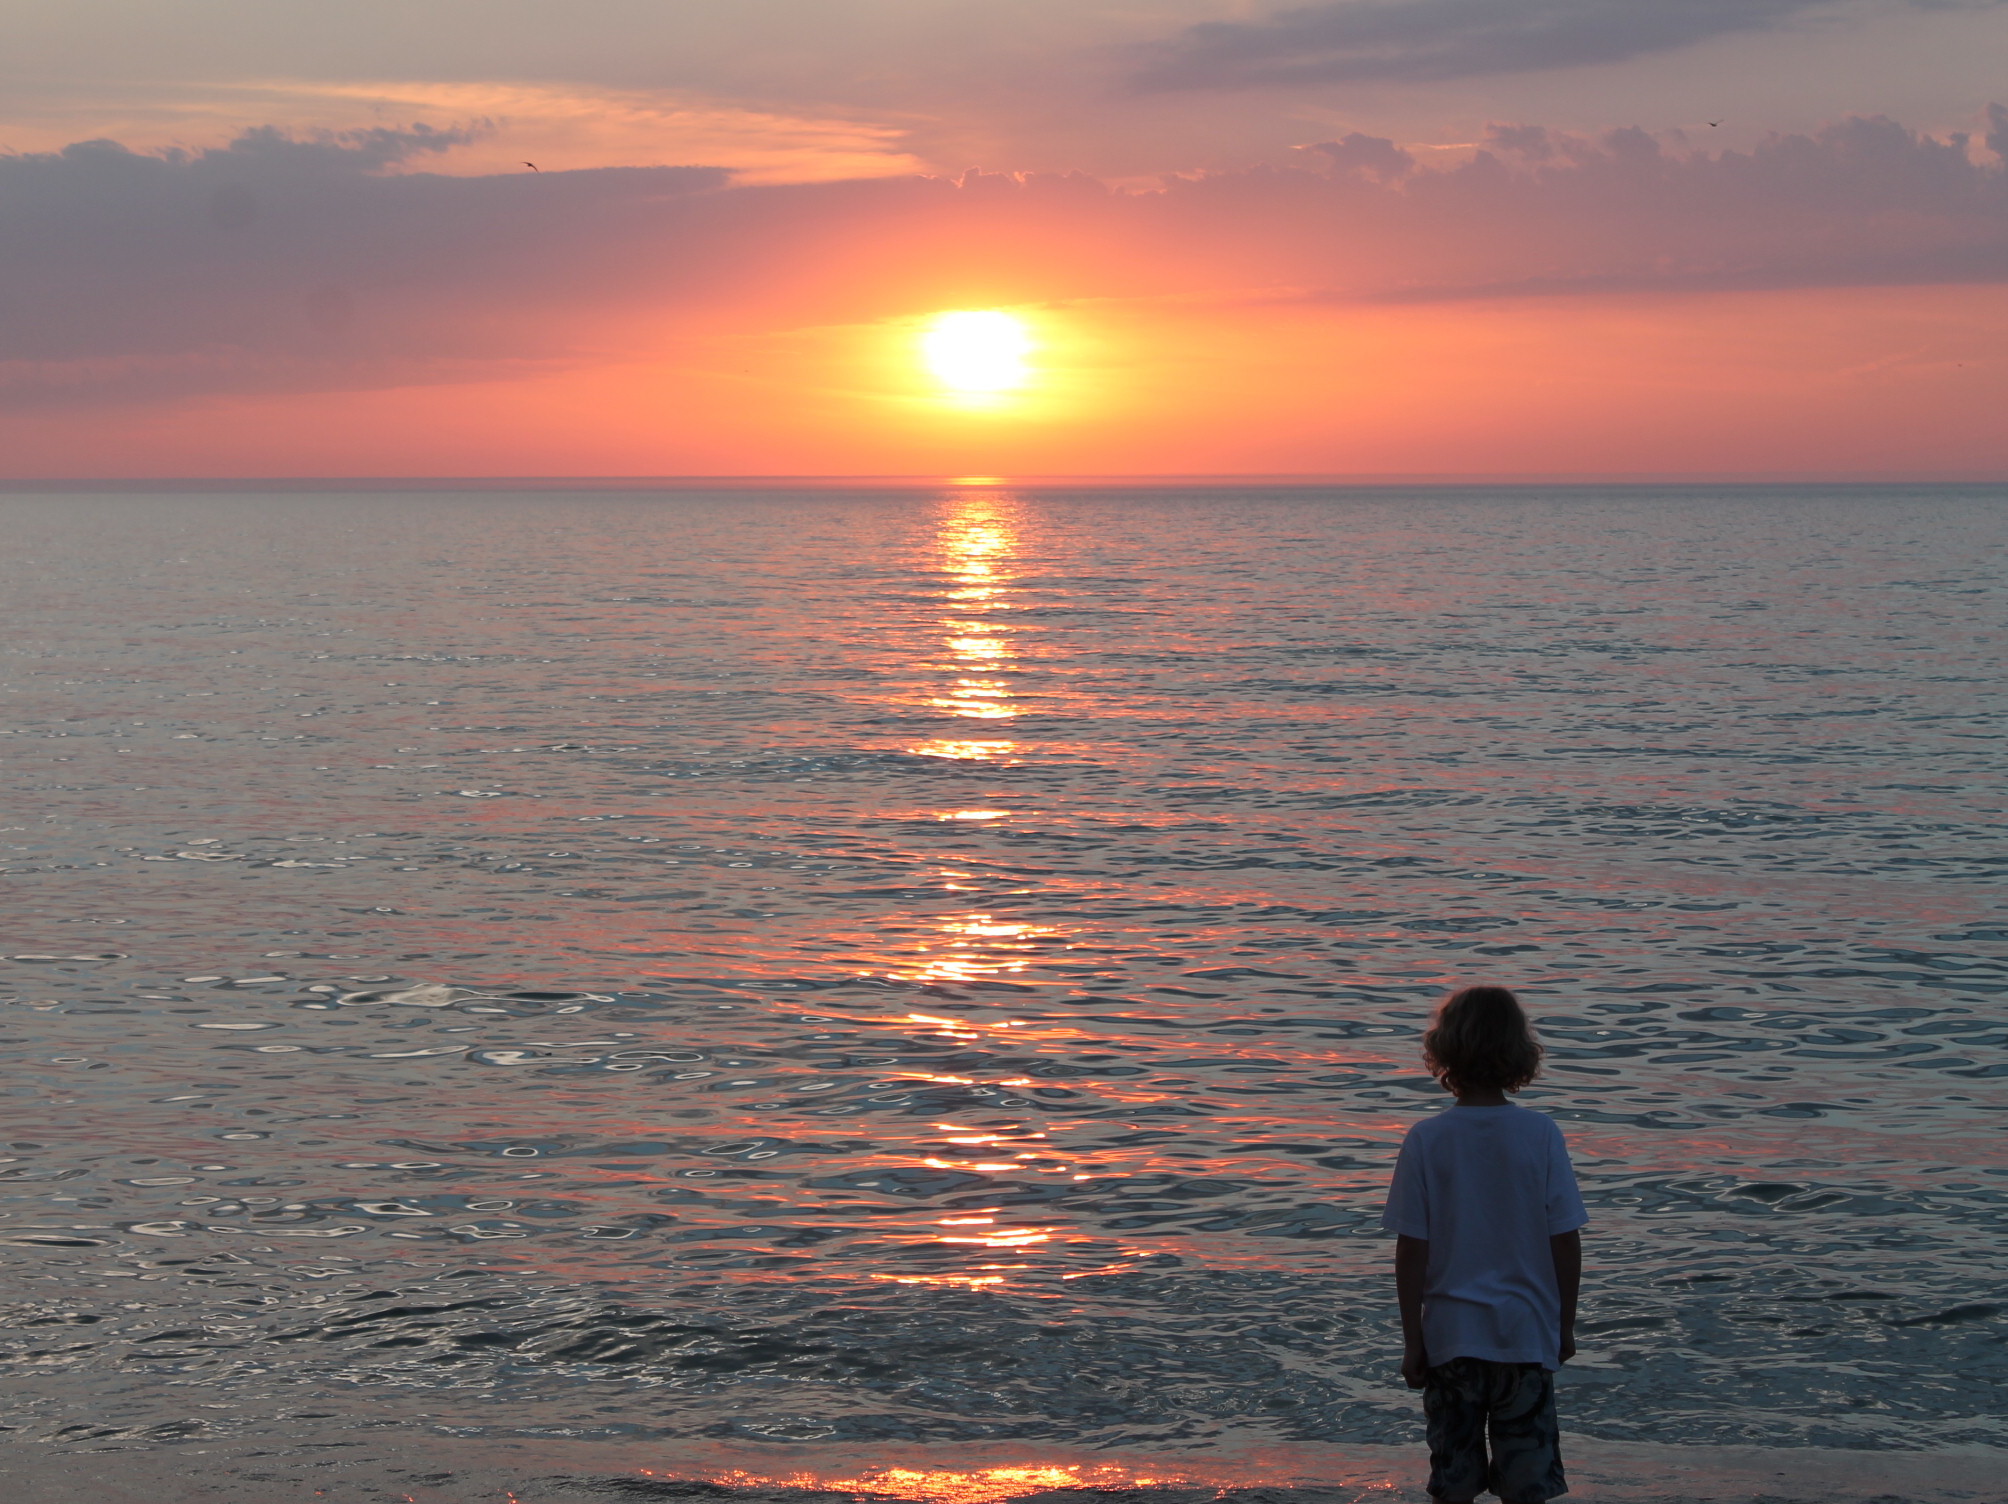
x: 972, y: 947
x: 972, y: 697
x: 941, y: 1486
x: 965, y: 751
x: 1335, y: 1473
x: 975, y: 650
x: 975, y: 542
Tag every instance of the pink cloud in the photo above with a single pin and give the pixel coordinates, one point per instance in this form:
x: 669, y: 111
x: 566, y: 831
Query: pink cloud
x: 281, y: 263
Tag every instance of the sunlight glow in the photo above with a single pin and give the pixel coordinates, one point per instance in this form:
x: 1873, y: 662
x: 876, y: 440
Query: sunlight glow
x: 941, y: 1486
x: 977, y: 352
x: 976, y: 543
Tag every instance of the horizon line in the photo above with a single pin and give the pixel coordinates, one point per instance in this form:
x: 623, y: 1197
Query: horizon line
x: 19, y: 485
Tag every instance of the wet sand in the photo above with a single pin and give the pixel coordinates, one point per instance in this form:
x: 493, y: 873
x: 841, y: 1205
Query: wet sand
x: 346, y: 1469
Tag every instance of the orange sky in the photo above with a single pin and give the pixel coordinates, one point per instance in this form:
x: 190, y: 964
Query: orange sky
x: 1264, y: 247
x: 1875, y: 380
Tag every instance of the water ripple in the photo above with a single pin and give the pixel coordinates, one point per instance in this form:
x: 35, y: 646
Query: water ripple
x: 907, y: 969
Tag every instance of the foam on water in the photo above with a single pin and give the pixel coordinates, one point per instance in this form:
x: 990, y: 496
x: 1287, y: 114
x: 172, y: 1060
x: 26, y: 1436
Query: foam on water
x: 904, y: 969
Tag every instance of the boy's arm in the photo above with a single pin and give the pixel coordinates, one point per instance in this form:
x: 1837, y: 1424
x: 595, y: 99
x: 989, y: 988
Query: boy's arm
x: 1411, y: 1263
x: 1567, y: 1249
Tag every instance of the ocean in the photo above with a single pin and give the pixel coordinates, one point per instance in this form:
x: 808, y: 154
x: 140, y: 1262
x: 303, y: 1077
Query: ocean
x: 886, y: 969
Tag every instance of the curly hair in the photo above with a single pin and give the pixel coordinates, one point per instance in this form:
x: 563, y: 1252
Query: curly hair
x: 1480, y: 1040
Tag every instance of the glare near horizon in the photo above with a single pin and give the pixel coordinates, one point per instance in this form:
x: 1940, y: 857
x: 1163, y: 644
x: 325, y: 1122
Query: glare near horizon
x: 977, y: 352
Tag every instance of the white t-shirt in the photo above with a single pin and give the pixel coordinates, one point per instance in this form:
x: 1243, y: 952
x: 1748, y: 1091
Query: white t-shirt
x: 1487, y: 1187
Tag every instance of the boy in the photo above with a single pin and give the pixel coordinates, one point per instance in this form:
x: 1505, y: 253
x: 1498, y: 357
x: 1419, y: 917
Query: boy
x: 1487, y: 1258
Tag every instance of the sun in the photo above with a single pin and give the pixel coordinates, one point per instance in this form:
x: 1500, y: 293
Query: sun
x: 977, y: 352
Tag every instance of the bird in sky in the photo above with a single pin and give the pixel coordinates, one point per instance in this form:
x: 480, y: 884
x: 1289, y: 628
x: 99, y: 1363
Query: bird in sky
x: 1714, y: 123
x: 533, y: 167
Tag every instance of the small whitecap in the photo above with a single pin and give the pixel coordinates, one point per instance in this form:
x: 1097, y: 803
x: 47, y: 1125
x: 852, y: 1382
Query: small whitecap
x: 425, y: 995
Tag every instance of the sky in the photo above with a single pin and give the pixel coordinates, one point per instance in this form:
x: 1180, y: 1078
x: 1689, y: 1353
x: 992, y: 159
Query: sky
x: 719, y: 237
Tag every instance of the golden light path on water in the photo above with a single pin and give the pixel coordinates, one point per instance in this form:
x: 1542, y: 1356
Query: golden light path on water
x: 950, y: 1486
x: 1352, y: 1476
x: 975, y: 541
x: 976, y: 1486
x: 972, y: 664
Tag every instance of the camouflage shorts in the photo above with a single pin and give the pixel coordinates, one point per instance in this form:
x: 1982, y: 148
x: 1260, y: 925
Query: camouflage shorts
x: 1470, y: 1402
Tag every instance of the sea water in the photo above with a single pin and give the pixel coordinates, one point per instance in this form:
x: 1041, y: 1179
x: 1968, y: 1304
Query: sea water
x: 914, y: 965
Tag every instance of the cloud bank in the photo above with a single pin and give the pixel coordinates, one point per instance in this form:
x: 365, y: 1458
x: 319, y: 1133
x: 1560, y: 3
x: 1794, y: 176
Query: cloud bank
x: 1416, y: 41
x: 281, y: 262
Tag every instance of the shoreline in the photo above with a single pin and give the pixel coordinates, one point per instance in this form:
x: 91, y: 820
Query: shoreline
x: 352, y: 1467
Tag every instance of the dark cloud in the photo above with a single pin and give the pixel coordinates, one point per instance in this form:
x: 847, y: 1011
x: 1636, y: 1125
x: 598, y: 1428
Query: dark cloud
x: 1421, y: 40
x: 280, y: 263
x: 1375, y: 156
x: 281, y: 260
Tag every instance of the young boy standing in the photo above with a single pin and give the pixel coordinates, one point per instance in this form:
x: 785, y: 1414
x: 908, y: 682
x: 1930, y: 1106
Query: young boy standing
x: 1487, y: 1260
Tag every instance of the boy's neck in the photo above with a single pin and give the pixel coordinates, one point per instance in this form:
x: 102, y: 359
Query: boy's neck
x: 1491, y: 1096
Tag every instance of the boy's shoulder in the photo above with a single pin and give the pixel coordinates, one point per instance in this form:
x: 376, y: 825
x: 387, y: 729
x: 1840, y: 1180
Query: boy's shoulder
x: 1451, y: 1122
